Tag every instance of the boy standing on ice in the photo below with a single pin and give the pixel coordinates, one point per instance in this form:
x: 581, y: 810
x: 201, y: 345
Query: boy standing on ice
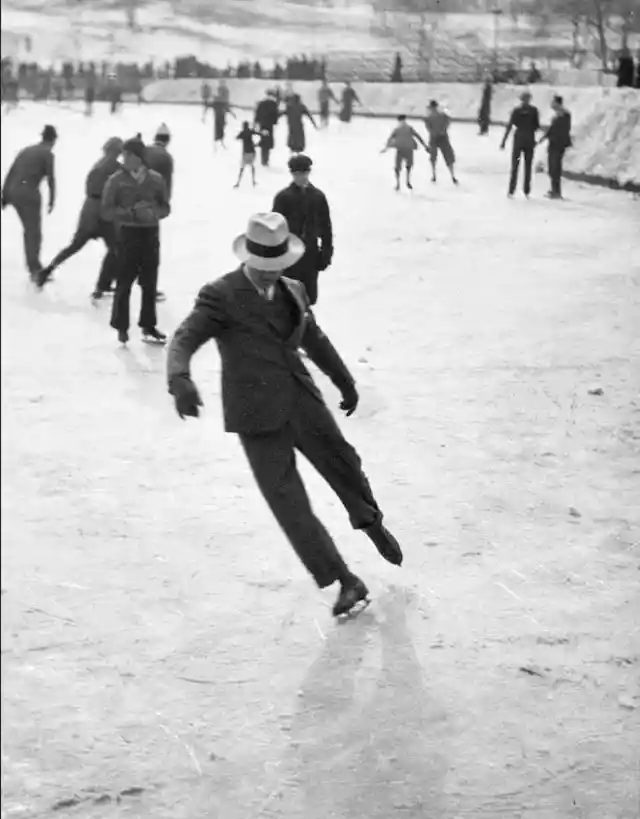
x: 404, y: 138
x: 246, y: 136
x: 437, y: 123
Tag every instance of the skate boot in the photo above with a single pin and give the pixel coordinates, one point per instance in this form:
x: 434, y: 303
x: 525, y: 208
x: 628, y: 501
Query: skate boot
x: 42, y: 276
x: 123, y: 336
x: 153, y: 336
x: 160, y: 296
x: 385, y: 542
x: 352, y: 592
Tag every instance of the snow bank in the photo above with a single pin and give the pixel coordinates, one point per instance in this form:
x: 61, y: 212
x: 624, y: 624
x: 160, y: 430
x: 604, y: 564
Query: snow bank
x: 606, y: 120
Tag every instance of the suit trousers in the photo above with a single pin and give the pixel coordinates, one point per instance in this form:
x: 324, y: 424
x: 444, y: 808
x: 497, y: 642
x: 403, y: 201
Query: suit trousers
x: 555, y: 157
x: 106, y: 232
x: 313, y: 431
x: 527, y: 152
x: 137, y: 259
x: 29, y: 212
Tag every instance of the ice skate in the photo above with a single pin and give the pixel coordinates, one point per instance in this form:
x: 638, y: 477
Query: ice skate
x: 160, y: 296
x: 123, y: 336
x: 385, y: 542
x: 42, y: 277
x: 353, y: 598
x: 153, y: 336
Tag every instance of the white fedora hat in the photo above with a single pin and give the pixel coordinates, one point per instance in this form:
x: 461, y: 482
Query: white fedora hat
x: 267, y: 243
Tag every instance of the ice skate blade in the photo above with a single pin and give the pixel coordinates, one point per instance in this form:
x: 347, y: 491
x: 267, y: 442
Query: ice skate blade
x: 354, y: 612
x: 155, y: 342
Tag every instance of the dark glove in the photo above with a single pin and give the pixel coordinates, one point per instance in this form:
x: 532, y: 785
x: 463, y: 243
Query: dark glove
x: 350, y: 399
x: 186, y: 396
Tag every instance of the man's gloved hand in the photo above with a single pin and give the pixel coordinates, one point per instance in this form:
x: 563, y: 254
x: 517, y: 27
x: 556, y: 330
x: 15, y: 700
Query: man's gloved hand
x: 350, y: 399
x: 144, y: 213
x: 186, y: 396
x: 324, y: 259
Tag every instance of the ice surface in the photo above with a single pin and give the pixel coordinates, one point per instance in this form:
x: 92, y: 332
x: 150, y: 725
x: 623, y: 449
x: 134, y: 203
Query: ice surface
x: 158, y: 631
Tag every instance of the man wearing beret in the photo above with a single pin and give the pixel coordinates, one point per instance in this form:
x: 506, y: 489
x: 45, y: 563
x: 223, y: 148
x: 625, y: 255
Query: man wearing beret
x: 135, y: 200
x: 259, y: 318
x: 306, y: 210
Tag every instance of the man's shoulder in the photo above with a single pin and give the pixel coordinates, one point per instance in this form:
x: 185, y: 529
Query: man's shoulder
x: 221, y: 286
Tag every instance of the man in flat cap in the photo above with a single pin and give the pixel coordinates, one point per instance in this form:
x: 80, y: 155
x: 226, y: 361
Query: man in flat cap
x: 21, y: 189
x: 135, y: 200
x: 306, y: 210
x: 91, y: 225
x: 259, y: 318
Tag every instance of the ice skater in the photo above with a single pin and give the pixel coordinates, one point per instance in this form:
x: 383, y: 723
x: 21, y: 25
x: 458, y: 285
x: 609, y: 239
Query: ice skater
x: 91, y: 225
x: 114, y: 93
x: 325, y: 95
x: 265, y: 120
x: 307, y: 212
x: 21, y: 189
x: 221, y: 107
x: 484, y: 114
x: 404, y: 138
x: 135, y: 200
x: 525, y: 119
x: 437, y: 123
x: 159, y: 159
x: 205, y: 96
x: 89, y: 96
x: 349, y: 97
x: 259, y: 318
x: 247, y: 136
x: 558, y: 138
x: 294, y: 112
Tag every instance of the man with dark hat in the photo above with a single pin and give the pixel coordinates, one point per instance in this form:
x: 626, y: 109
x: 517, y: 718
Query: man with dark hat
x: 22, y: 190
x: 558, y: 137
x: 135, y: 200
x: 306, y: 210
x: 525, y: 119
x: 259, y: 318
x: 91, y: 225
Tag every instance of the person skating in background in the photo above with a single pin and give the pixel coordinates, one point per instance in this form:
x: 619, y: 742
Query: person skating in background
x: 306, y: 210
x: 325, y: 95
x: 113, y: 93
x: 484, y: 114
x: 294, y: 112
x: 525, y: 121
x: 205, y: 96
x: 159, y: 159
x: 558, y: 137
x: 135, y: 200
x: 349, y: 97
x: 437, y: 123
x: 259, y: 319
x: 247, y: 137
x: 21, y: 190
x: 91, y: 225
x: 404, y: 139
x: 221, y: 108
x: 89, y: 95
x: 265, y: 120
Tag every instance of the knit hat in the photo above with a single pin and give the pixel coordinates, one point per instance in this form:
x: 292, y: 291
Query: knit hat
x: 300, y: 163
x: 49, y: 133
x: 163, y: 131
x: 113, y: 145
x: 136, y: 147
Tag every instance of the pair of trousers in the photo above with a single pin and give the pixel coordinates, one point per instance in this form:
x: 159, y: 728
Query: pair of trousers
x: 137, y: 259
x: 313, y: 431
x: 555, y: 157
x: 29, y: 212
x: 527, y: 152
x: 106, y: 232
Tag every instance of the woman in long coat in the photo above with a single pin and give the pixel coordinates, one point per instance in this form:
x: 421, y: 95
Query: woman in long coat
x: 349, y: 96
x: 294, y: 113
x: 484, y: 114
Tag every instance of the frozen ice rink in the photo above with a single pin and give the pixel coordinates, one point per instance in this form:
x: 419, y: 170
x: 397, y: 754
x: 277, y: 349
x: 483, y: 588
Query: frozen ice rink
x: 161, y: 642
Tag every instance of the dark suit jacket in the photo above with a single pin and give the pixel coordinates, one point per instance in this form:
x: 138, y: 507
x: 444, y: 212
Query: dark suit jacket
x: 260, y: 371
x: 307, y: 212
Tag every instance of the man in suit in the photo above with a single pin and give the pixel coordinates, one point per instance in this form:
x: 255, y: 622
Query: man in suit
x: 306, y: 210
x: 259, y: 319
x: 525, y: 119
x: 558, y: 136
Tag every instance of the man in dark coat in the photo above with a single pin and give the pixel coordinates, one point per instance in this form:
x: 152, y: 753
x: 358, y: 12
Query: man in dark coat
x: 91, y: 225
x: 484, y: 114
x: 525, y: 119
x: 306, y: 210
x: 295, y: 111
x: 259, y: 319
x: 265, y: 121
x: 159, y: 159
x: 21, y: 189
x: 349, y: 97
x: 558, y: 136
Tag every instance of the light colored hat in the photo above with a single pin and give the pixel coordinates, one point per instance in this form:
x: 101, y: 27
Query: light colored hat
x: 163, y: 130
x: 268, y: 244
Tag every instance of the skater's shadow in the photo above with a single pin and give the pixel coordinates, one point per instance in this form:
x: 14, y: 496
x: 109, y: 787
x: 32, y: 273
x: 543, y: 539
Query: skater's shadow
x: 145, y: 373
x: 369, y: 739
x: 46, y: 302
